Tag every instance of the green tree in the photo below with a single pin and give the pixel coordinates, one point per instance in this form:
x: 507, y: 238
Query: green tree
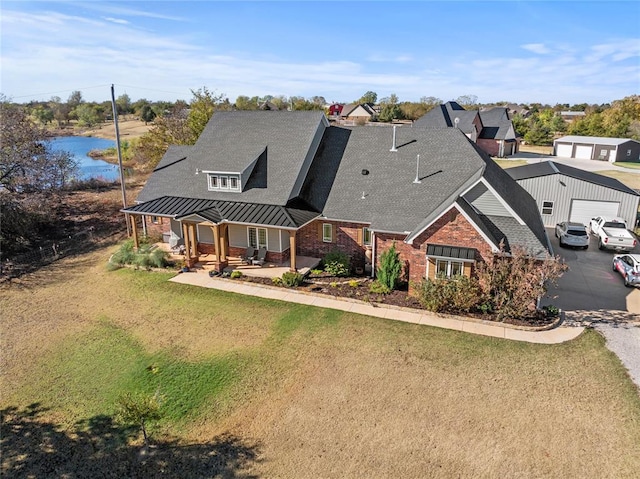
x: 147, y: 114
x: 468, y: 102
x: 43, y: 114
x: 87, y: 115
x: 368, y: 97
x: 390, y: 268
x: 139, y: 410
x: 123, y: 104
x: 538, y: 133
x: 203, y: 105
x: 245, y: 103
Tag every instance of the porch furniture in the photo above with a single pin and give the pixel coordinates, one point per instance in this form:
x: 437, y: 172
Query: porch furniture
x: 249, y: 255
x: 261, y: 258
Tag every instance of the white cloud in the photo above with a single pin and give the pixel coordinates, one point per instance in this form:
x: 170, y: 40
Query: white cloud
x: 116, y: 20
x: 538, y: 48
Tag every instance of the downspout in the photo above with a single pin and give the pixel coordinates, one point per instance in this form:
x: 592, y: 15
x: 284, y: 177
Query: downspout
x: 373, y: 254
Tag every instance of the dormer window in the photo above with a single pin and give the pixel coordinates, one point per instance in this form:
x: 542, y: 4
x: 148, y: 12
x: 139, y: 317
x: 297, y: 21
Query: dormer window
x: 223, y: 182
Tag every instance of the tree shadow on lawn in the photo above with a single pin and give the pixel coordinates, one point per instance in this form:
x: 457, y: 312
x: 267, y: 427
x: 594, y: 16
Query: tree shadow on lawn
x: 33, y: 447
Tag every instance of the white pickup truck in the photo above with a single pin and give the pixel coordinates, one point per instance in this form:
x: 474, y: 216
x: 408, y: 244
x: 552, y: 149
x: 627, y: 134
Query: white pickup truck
x: 612, y: 233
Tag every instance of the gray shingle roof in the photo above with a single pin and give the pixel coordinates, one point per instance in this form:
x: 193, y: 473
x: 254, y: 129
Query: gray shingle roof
x: 546, y: 168
x: 496, y: 124
x: 443, y: 116
x: 233, y: 142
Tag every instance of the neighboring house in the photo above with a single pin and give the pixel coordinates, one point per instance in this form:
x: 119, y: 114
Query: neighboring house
x: 597, y: 148
x: 566, y: 193
x: 291, y: 183
x: 268, y: 106
x: 335, y: 109
x: 358, y: 112
x: 514, y: 109
x: 570, y: 116
x: 492, y: 129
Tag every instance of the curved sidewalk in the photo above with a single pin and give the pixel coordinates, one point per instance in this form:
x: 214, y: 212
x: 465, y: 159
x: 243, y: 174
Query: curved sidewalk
x: 484, y: 328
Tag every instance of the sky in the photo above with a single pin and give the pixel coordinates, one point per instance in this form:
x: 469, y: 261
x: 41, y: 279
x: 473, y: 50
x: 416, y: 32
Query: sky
x: 546, y: 52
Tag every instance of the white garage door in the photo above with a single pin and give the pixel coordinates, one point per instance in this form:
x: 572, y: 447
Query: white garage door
x: 564, y: 151
x: 583, y: 210
x: 583, y: 152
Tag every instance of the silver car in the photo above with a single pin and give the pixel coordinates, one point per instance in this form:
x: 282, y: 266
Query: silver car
x: 572, y: 234
x: 628, y: 265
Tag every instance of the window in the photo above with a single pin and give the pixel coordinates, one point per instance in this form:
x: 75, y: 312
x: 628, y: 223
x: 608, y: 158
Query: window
x: 547, y: 207
x: 366, y: 236
x: 156, y: 220
x: 628, y: 152
x: 449, y: 268
x: 224, y: 182
x: 257, y: 237
x: 603, y: 153
x: 327, y: 232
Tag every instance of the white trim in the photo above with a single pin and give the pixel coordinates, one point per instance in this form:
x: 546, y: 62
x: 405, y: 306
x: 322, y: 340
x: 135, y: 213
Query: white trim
x: 373, y: 254
x: 364, y: 243
x: 472, y: 261
x: 220, y: 172
x: 324, y: 240
x: 266, y: 236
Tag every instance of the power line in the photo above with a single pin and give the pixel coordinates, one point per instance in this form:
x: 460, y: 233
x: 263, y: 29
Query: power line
x: 62, y: 91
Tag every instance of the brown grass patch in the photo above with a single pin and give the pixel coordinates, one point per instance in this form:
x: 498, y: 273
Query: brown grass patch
x: 630, y: 178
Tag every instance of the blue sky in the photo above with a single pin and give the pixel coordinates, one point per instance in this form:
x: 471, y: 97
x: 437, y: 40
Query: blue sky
x: 519, y: 51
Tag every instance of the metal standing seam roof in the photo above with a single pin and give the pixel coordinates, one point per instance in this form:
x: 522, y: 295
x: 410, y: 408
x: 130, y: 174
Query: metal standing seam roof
x: 229, y: 211
x: 451, y: 252
x: 600, y: 140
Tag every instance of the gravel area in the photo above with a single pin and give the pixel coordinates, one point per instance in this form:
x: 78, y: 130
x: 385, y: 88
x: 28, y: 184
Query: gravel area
x: 624, y: 340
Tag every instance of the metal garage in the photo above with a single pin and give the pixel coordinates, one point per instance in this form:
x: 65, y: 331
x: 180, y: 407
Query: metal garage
x: 597, y: 148
x: 566, y: 193
x: 583, y: 210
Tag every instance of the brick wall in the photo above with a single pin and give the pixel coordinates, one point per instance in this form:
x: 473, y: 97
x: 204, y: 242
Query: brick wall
x: 452, y: 229
x: 157, y: 229
x: 489, y: 146
x: 347, y: 237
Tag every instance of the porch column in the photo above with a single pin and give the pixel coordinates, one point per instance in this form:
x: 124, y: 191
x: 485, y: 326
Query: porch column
x: 216, y: 241
x: 292, y: 250
x: 187, y: 243
x: 223, y: 242
x: 134, y: 228
x: 194, y: 240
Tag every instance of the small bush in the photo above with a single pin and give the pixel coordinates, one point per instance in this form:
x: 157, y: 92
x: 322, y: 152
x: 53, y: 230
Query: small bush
x: 316, y: 272
x: 236, y: 274
x: 333, y: 284
x: 337, y: 263
x: 145, y: 257
x: 291, y: 279
x: 354, y: 283
x: 277, y: 281
x: 378, y: 288
x: 456, y: 294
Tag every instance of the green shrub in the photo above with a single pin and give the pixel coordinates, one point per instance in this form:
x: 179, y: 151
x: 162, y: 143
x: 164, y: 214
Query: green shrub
x: 291, y: 279
x: 456, y: 294
x: 390, y: 268
x: 354, y: 283
x: 235, y: 274
x: 316, y: 272
x: 337, y: 263
x: 333, y: 284
x: 145, y: 257
x: 277, y: 281
x: 378, y: 288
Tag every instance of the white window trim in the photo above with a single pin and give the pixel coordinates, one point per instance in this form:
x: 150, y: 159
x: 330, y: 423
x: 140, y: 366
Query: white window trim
x: 257, y: 230
x: 226, y: 178
x: 547, y: 208
x: 450, y: 262
x: 364, y: 236
x: 210, y: 180
x: 324, y: 236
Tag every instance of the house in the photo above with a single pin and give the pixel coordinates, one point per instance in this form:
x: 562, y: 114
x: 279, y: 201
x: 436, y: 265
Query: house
x: 358, y: 112
x: 571, y: 116
x: 491, y: 129
x: 597, y: 148
x: 514, y: 109
x: 335, y: 109
x: 566, y: 193
x: 290, y: 182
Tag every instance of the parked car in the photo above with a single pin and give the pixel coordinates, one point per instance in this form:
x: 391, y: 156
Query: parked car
x: 628, y: 265
x: 612, y: 233
x: 572, y: 234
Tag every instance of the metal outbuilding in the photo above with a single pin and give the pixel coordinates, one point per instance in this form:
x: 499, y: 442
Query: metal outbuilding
x: 566, y: 193
x: 597, y: 148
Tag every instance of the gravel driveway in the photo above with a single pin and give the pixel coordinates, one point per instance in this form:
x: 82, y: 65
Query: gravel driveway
x: 624, y: 340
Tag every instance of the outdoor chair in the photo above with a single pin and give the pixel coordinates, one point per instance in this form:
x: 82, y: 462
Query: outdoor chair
x: 262, y: 256
x: 249, y: 255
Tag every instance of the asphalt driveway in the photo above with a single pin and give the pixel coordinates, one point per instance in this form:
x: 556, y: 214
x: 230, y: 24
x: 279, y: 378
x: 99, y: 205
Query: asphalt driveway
x: 590, y: 290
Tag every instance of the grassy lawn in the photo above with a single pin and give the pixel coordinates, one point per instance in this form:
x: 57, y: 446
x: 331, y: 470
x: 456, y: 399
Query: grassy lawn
x: 272, y: 389
x: 628, y: 164
x: 632, y: 180
x: 510, y: 163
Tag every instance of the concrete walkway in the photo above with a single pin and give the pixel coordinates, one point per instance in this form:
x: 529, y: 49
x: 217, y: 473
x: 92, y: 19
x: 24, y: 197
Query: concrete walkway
x: 484, y: 328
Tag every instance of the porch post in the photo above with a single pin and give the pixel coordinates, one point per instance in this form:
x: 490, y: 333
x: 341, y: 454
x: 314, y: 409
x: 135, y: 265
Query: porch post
x: 223, y: 242
x: 187, y: 243
x: 216, y: 241
x: 194, y: 240
x: 134, y: 228
x: 292, y: 252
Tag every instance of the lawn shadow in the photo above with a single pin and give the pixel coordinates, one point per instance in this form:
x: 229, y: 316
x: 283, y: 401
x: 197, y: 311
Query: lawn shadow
x: 34, y: 447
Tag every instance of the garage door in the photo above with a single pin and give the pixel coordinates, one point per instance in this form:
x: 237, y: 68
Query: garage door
x: 583, y: 210
x: 564, y: 151
x: 583, y: 152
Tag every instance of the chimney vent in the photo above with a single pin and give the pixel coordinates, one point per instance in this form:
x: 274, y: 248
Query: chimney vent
x: 393, y: 147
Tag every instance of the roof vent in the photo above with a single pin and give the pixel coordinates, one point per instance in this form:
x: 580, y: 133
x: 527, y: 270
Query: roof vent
x: 456, y: 121
x: 393, y: 147
x: 417, y: 180
x: 365, y: 172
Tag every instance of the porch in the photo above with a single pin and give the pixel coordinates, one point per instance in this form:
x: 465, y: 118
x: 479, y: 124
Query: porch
x: 208, y: 262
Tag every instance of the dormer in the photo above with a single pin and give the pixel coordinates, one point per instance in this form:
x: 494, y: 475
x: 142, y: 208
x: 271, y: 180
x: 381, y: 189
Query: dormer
x: 224, y: 181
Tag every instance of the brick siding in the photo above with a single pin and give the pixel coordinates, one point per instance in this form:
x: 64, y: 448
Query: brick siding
x: 347, y: 238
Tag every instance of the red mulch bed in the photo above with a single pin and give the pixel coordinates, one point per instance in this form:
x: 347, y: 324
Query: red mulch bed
x: 340, y: 287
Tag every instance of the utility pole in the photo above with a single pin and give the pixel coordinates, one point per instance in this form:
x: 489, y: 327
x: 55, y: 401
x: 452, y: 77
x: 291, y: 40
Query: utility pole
x: 124, y: 193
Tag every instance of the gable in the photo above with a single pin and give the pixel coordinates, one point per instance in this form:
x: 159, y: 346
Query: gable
x: 485, y: 201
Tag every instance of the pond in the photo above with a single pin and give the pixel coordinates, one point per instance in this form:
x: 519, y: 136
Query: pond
x: 79, y: 147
